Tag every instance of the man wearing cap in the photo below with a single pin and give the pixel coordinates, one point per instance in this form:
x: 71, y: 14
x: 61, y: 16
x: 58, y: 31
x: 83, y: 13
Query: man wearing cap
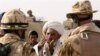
x: 52, y: 31
x: 14, y: 25
x: 81, y: 42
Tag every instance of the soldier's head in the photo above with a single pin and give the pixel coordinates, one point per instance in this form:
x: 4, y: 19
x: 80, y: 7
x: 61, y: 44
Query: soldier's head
x: 29, y: 12
x: 14, y: 21
x: 52, y: 30
x: 82, y: 12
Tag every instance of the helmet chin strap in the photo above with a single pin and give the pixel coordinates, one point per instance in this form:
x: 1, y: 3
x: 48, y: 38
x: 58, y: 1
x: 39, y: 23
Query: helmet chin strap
x: 75, y: 19
x: 22, y: 34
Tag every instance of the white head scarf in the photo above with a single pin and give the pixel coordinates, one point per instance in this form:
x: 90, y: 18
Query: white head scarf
x: 53, y: 25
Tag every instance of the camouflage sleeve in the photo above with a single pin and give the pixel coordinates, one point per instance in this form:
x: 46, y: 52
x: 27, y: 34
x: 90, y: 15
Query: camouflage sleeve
x: 70, y: 47
x: 28, y: 50
x: 65, y: 49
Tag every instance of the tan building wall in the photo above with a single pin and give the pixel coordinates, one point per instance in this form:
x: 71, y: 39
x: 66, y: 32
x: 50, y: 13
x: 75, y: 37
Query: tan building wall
x: 36, y: 26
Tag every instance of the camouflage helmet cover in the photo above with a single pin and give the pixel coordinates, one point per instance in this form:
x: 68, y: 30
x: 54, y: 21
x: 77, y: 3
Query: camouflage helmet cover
x: 83, y: 7
x: 14, y: 19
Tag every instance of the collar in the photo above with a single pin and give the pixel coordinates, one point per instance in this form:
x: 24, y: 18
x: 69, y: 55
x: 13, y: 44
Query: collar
x: 89, y: 26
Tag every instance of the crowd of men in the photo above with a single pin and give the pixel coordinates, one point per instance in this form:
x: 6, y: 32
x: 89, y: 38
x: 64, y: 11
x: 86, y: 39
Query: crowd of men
x: 83, y: 40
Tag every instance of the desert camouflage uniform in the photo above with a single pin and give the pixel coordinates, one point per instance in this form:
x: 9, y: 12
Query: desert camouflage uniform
x: 18, y: 48
x: 72, y: 47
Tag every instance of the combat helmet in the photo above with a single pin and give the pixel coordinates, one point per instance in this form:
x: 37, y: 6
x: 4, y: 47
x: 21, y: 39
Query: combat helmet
x: 83, y: 7
x: 14, y: 19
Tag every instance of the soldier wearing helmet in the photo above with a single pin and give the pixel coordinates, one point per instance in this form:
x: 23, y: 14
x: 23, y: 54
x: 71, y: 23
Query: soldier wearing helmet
x: 31, y: 17
x: 14, y: 25
x: 82, y: 15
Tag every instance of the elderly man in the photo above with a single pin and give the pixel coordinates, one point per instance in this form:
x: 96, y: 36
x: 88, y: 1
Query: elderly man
x: 85, y: 39
x: 52, y: 31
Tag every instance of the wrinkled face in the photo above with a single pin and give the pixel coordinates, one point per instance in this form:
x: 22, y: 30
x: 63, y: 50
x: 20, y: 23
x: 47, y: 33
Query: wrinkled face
x: 33, y: 39
x: 51, y: 35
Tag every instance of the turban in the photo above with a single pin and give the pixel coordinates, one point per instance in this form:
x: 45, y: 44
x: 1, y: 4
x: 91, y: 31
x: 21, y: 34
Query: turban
x: 53, y: 25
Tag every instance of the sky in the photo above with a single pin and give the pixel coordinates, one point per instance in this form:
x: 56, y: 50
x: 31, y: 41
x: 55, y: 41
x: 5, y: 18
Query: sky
x: 47, y: 9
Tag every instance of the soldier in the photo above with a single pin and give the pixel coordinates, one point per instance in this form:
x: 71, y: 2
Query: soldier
x: 31, y: 17
x: 14, y: 25
x: 85, y: 39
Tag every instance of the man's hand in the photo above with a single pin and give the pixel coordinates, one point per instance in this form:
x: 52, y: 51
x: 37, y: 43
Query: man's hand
x: 51, y: 46
x: 42, y: 42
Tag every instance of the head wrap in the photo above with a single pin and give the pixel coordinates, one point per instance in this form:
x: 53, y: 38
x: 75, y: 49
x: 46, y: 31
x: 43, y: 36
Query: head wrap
x: 53, y: 25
